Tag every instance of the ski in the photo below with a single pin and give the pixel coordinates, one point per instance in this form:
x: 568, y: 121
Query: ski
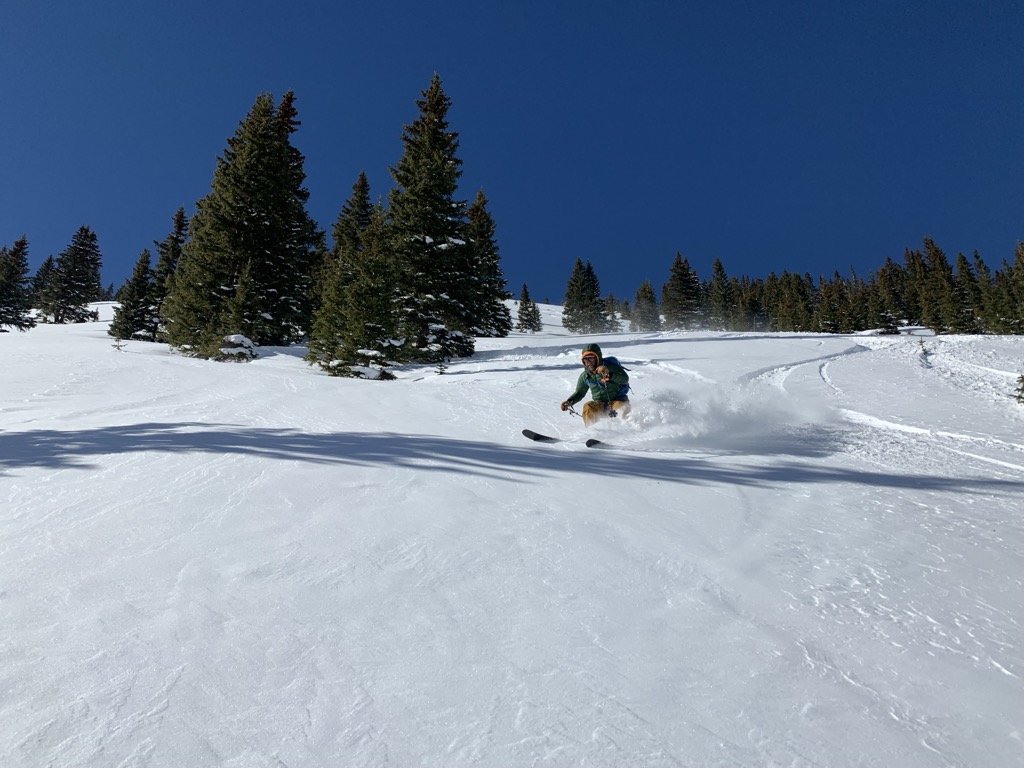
x: 538, y: 437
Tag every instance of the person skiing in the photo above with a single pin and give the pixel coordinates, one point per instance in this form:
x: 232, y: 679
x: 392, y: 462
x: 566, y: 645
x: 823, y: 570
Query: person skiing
x: 608, y: 383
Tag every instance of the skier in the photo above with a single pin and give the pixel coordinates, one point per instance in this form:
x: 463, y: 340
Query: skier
x: 608, y: 383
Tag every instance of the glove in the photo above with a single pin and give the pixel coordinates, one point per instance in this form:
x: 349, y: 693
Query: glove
x: 603, y: 372
x: 565, y: 405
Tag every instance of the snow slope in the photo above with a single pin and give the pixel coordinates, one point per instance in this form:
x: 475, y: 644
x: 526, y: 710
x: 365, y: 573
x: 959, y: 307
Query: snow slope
x: 807, y: 552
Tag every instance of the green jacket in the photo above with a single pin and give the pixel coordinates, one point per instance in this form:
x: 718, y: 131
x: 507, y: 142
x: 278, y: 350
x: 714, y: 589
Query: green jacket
x: 617, y: 387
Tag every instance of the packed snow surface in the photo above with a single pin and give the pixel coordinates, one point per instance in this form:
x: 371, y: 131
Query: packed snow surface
x: 806, y: 550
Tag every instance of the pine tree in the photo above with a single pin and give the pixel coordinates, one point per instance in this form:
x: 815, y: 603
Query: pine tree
x: 1014, y: 291
x: 966, y: 315
x: 832, y: 308
x: 751, y: 314
x: 528, y: 320
x: 645, y: 316
x: 337, y: 266
x: 76, y: 279
x: 246, y: 269
x: 357, y: 320
x: 347, y: 233
x: 938, y: 299
x: 681, y: 298
x: 169, y: 253
x: 913, y: 286
x: 887, y: 307
x: 487, y: 295
x: 612, y: 323
x: 583, y: 310
x: 44, y: 289
x: 354, y: 333
x: 429, y: 235
x: 986, y: 306
x: 136, y: 317
x: 721, y: 299
x: 15, y: 287
x: 1004, y: 302
x: 793, y: 303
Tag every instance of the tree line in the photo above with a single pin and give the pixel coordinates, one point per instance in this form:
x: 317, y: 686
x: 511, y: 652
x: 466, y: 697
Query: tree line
x: 926, y: 290
x: 415, y: 281
x: 416, y: 277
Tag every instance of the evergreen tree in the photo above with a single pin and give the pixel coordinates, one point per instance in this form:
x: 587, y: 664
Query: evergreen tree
x: 887, y: 308
x: 1013, y: 285
x: 832, y: 308
x: 793, y: 303
x: 168, y: 255
x: 355, y: 325
x: 246, y: 268
x: 751, y: 314
x: 966, y: 312
x: 611, y: 314
x: 487, y: 293
x: 76, y: 279
x: 347, y: 233
x: 913, y: 286
x: 721, y: 299
x: 528, y: 320
x: 938, y: 299
x: 429, y: 235
x: 645, y: 316
x: 583, y: 310
x: 771, y: 298
x: 15, y: 287
x: 353, y: 220
x: 337, y: 266
x: 44, y: 289
x: 354, y: 333
x: 856, y: 303
x: 136, y: 317
x: 681, y: 297
x: 1004, y: 300
x: 985, y: 307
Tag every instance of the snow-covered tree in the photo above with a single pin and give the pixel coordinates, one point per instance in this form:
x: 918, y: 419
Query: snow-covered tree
x: 246, y: 269
x: 428, y: 234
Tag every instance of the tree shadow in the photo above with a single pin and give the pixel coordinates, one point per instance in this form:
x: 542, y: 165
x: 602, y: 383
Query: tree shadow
x: 55, y: 449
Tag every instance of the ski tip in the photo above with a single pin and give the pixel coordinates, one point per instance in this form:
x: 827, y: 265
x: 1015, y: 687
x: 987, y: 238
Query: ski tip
x: 593, y: 443
x: 539, y: 437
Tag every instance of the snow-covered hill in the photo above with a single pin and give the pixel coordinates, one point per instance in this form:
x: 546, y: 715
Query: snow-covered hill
x: 807, y: 552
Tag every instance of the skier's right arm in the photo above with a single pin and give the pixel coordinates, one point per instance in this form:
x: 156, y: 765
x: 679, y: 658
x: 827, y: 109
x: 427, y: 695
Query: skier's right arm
x: 579, y: 394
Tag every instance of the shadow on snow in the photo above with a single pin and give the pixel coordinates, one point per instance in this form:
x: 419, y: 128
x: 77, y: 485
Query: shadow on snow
x: 55, y: 449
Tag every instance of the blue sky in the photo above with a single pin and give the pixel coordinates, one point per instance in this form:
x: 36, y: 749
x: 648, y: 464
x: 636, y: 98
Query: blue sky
x: 800, y: 136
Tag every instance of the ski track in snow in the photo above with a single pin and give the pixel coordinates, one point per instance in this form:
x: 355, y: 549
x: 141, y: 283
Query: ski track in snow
x: 810, y: 554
